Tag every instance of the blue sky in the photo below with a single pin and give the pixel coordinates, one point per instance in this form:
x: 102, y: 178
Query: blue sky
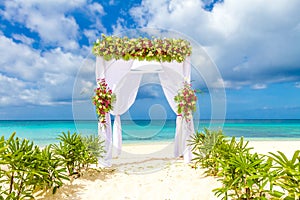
x: 45, y: 47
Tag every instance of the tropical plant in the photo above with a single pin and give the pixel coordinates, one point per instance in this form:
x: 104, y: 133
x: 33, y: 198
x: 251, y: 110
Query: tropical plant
x: 72, y: 151
x: 161, y: 50
x: 205, y: 141
x: 244, y: 176
x: 95, y: 149
x: 77, y: 152
x: 103, y: 100
x: 186, y: 100
x: 3, y: 147
x: 20, y: 160
x: 28, y: 169
x: 53, y: 173
x: 205, y: 148
x: 286, y: 175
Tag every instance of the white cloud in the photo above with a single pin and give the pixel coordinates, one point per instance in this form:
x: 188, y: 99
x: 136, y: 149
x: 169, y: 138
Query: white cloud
x: 17, y: 92
x: 297, y: 84
x: 94, y: 12
x: 118, y: 27
x: 19, y: 60
x: 48, y: 19
x: 31, y: 76
x: 53, y: 20
x: 112, y: 2
x: 250, y: 41
x: 23, y: 38
x: 45, y: 76
x: 96, y: 8
x: 220, y: 83
x: 259, y: 86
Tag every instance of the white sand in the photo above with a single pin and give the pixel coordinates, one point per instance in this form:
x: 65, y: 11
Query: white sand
x: 148, y: 171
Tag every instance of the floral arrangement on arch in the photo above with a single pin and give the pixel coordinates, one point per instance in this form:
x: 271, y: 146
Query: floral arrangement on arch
x: 103, y: 100
x: 161, y: 50
x: 186, y: 100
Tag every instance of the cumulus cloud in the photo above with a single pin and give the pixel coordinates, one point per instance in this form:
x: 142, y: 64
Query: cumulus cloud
x: 47, y: 18
x: 22, y: 38
x: 14, y: 91
x: 35, y: 77
x: 53, y: 20
x: 250, y: 41
x: 94, y: 12
x: 119, y: 27
x: 45, y: 75
x: 96, y: 8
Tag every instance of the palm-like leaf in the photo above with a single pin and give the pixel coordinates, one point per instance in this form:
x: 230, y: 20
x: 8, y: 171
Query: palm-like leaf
x: 287, y: 174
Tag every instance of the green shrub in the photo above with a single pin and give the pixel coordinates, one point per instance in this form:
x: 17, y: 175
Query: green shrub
x: 52, y: 171
x: 20, y: 160
x: 95, y: 149
x: 31, y: 171
x: 286, y: 175
x: 28, y: 168
x: 3, y: 147
x: 205, y: 148
x: 243, y: 175
x: 78, y: 152
x: 203, y: 143
x: 72, y: 150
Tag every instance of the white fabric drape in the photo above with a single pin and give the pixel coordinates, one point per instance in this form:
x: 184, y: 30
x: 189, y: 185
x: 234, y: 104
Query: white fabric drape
x: 190, y: 130
x: 105, y: 133
x: 124, y: 77
x: 172, y: 80
x: 126, y: 92
x: 124, y: 85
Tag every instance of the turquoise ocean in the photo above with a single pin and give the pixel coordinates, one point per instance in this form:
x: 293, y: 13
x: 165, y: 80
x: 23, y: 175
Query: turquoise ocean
x: 45, y: 132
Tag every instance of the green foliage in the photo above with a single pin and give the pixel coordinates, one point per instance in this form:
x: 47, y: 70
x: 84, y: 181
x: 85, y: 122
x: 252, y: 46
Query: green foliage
x: 243, y: 175
x: 52, y: 171
x: 286, y: 175
x: 21, y: 160
x: 205, y: 142
x: 26, y: 170
x: 78, y: 152
x: 161, y: 50
x: 3, y: 147
x: 71, y: 150
x: 205, y: 148
x: 95, y: 148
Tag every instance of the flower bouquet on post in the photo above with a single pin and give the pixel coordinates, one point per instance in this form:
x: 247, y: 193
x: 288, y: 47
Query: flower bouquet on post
x: 186, y: 100
x: 103, y: 100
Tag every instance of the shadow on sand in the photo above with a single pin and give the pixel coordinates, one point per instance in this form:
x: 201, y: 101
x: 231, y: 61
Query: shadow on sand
x: 76, y: 186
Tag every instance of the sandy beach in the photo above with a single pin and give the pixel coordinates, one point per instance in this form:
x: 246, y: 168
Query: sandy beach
x: 148, y: 171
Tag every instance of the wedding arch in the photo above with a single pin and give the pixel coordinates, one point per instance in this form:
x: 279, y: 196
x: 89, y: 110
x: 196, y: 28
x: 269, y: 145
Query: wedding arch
x: 121, y: 62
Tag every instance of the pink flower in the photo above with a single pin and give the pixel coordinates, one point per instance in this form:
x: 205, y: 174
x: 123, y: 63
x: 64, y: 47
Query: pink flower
x: 103, y: 99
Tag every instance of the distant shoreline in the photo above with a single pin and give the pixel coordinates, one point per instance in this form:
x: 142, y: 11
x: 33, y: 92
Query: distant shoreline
x: 92, y: 120
x: 44, y: 132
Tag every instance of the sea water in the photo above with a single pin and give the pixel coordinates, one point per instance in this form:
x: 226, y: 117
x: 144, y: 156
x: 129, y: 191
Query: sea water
x: 46, y: 132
